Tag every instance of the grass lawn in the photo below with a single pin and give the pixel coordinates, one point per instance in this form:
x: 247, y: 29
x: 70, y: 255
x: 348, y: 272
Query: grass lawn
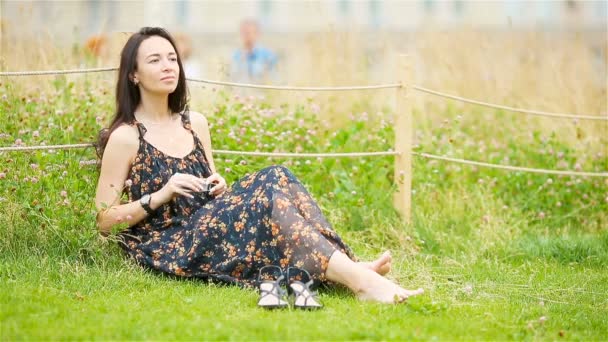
x: 501, y: 255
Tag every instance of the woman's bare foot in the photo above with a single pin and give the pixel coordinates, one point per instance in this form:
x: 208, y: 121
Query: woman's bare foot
x: 380, y: 289
x: 382, y: 265
x: 364, y: 281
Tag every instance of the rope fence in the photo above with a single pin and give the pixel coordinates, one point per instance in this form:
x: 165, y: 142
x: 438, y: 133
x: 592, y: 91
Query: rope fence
x: 512, y: 109
x: 344, y: 88
x: 513, y: 168
x: 55, y: 72
x: 259, y: 86
x: 403, y: 151
x: 335, y: 155
x: 44, y: 147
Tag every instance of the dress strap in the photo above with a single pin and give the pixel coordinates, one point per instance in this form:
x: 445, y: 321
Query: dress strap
x: 141, y: 129
x: 188, y: 126
x: 186, y: 121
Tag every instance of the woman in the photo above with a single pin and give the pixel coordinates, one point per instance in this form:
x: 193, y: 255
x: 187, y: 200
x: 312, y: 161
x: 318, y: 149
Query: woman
x: 159, y: 154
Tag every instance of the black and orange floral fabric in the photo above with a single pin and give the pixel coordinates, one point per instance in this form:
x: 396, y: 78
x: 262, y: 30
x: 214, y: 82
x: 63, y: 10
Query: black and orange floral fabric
x: 266, y: 218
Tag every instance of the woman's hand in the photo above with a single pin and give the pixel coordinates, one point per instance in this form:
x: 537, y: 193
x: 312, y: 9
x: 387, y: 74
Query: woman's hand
x: 220, y: 184
x: 180, y: 184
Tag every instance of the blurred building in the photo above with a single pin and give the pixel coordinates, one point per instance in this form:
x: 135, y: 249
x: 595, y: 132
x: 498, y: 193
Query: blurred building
x: 87, y: 17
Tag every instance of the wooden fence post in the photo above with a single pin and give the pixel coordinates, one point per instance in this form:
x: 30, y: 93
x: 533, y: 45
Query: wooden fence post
x: 403, y: 139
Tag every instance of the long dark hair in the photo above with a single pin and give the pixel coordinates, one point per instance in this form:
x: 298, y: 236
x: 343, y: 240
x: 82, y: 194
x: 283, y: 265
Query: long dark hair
x: 127, y: 92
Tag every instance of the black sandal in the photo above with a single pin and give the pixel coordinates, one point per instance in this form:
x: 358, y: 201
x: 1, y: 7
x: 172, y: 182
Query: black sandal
x: 304, y: 297
x: 272, y: 296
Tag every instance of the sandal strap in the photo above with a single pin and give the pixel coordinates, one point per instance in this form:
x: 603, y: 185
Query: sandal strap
x: 275, y: 292
x: 277, y: 269
x: 305, y: 292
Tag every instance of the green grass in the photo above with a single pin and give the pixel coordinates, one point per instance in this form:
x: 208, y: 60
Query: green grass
x: 501, y: 255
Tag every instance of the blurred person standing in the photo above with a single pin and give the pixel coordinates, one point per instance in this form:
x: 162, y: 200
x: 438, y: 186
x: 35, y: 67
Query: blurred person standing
x: 252, y: 63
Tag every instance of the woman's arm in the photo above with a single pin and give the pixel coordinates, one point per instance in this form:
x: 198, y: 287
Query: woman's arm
x: 117, y: 158
x: 201, y: 127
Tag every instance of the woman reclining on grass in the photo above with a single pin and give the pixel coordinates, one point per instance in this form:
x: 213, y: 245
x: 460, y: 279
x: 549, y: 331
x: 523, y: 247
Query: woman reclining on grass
x: 159, y: 153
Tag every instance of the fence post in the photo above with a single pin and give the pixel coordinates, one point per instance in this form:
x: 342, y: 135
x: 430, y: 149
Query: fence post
x: 403, y: 139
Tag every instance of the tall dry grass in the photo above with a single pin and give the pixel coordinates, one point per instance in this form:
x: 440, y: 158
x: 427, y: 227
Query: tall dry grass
x: 550, y: 71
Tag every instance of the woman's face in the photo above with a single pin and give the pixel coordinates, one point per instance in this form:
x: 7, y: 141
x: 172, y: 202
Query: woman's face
x: 157, y: 67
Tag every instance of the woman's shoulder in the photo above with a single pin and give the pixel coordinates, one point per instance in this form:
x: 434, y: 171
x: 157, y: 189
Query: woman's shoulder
x: 125, y: 136
x: 199, y: 122
x: 197, y: 118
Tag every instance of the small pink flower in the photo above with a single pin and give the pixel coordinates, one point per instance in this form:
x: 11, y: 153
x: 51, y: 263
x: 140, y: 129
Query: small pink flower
x: 2, y: 175
x: 128, y: 182
x: 541, y: 215
x: 34, y: 180
x: 63, y: 193
x: 243, y: 162
x: 34, y: 166
x: 66, y: 202
x: 35, y: 134
x: 18, y: 142
x: 228, y: 170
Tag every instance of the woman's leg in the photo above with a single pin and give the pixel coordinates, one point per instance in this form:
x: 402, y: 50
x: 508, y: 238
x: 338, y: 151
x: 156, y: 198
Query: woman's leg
x: 301, y: 236
x: 364, y: 282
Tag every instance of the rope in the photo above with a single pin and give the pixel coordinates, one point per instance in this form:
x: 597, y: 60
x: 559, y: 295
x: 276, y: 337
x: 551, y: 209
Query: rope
x: 44, y: 147
x: 513, y: 109
x: 308, y: 155
x: 512, y: 168
x: 347, y: 88
x: 55, y: 72
x: 340, y: 155
x: 242, y: 85
x: 259, y: 154
x: 259, y: 86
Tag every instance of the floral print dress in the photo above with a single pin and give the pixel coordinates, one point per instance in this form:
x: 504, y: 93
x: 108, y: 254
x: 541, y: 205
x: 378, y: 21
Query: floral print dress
x: 266, y: 218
